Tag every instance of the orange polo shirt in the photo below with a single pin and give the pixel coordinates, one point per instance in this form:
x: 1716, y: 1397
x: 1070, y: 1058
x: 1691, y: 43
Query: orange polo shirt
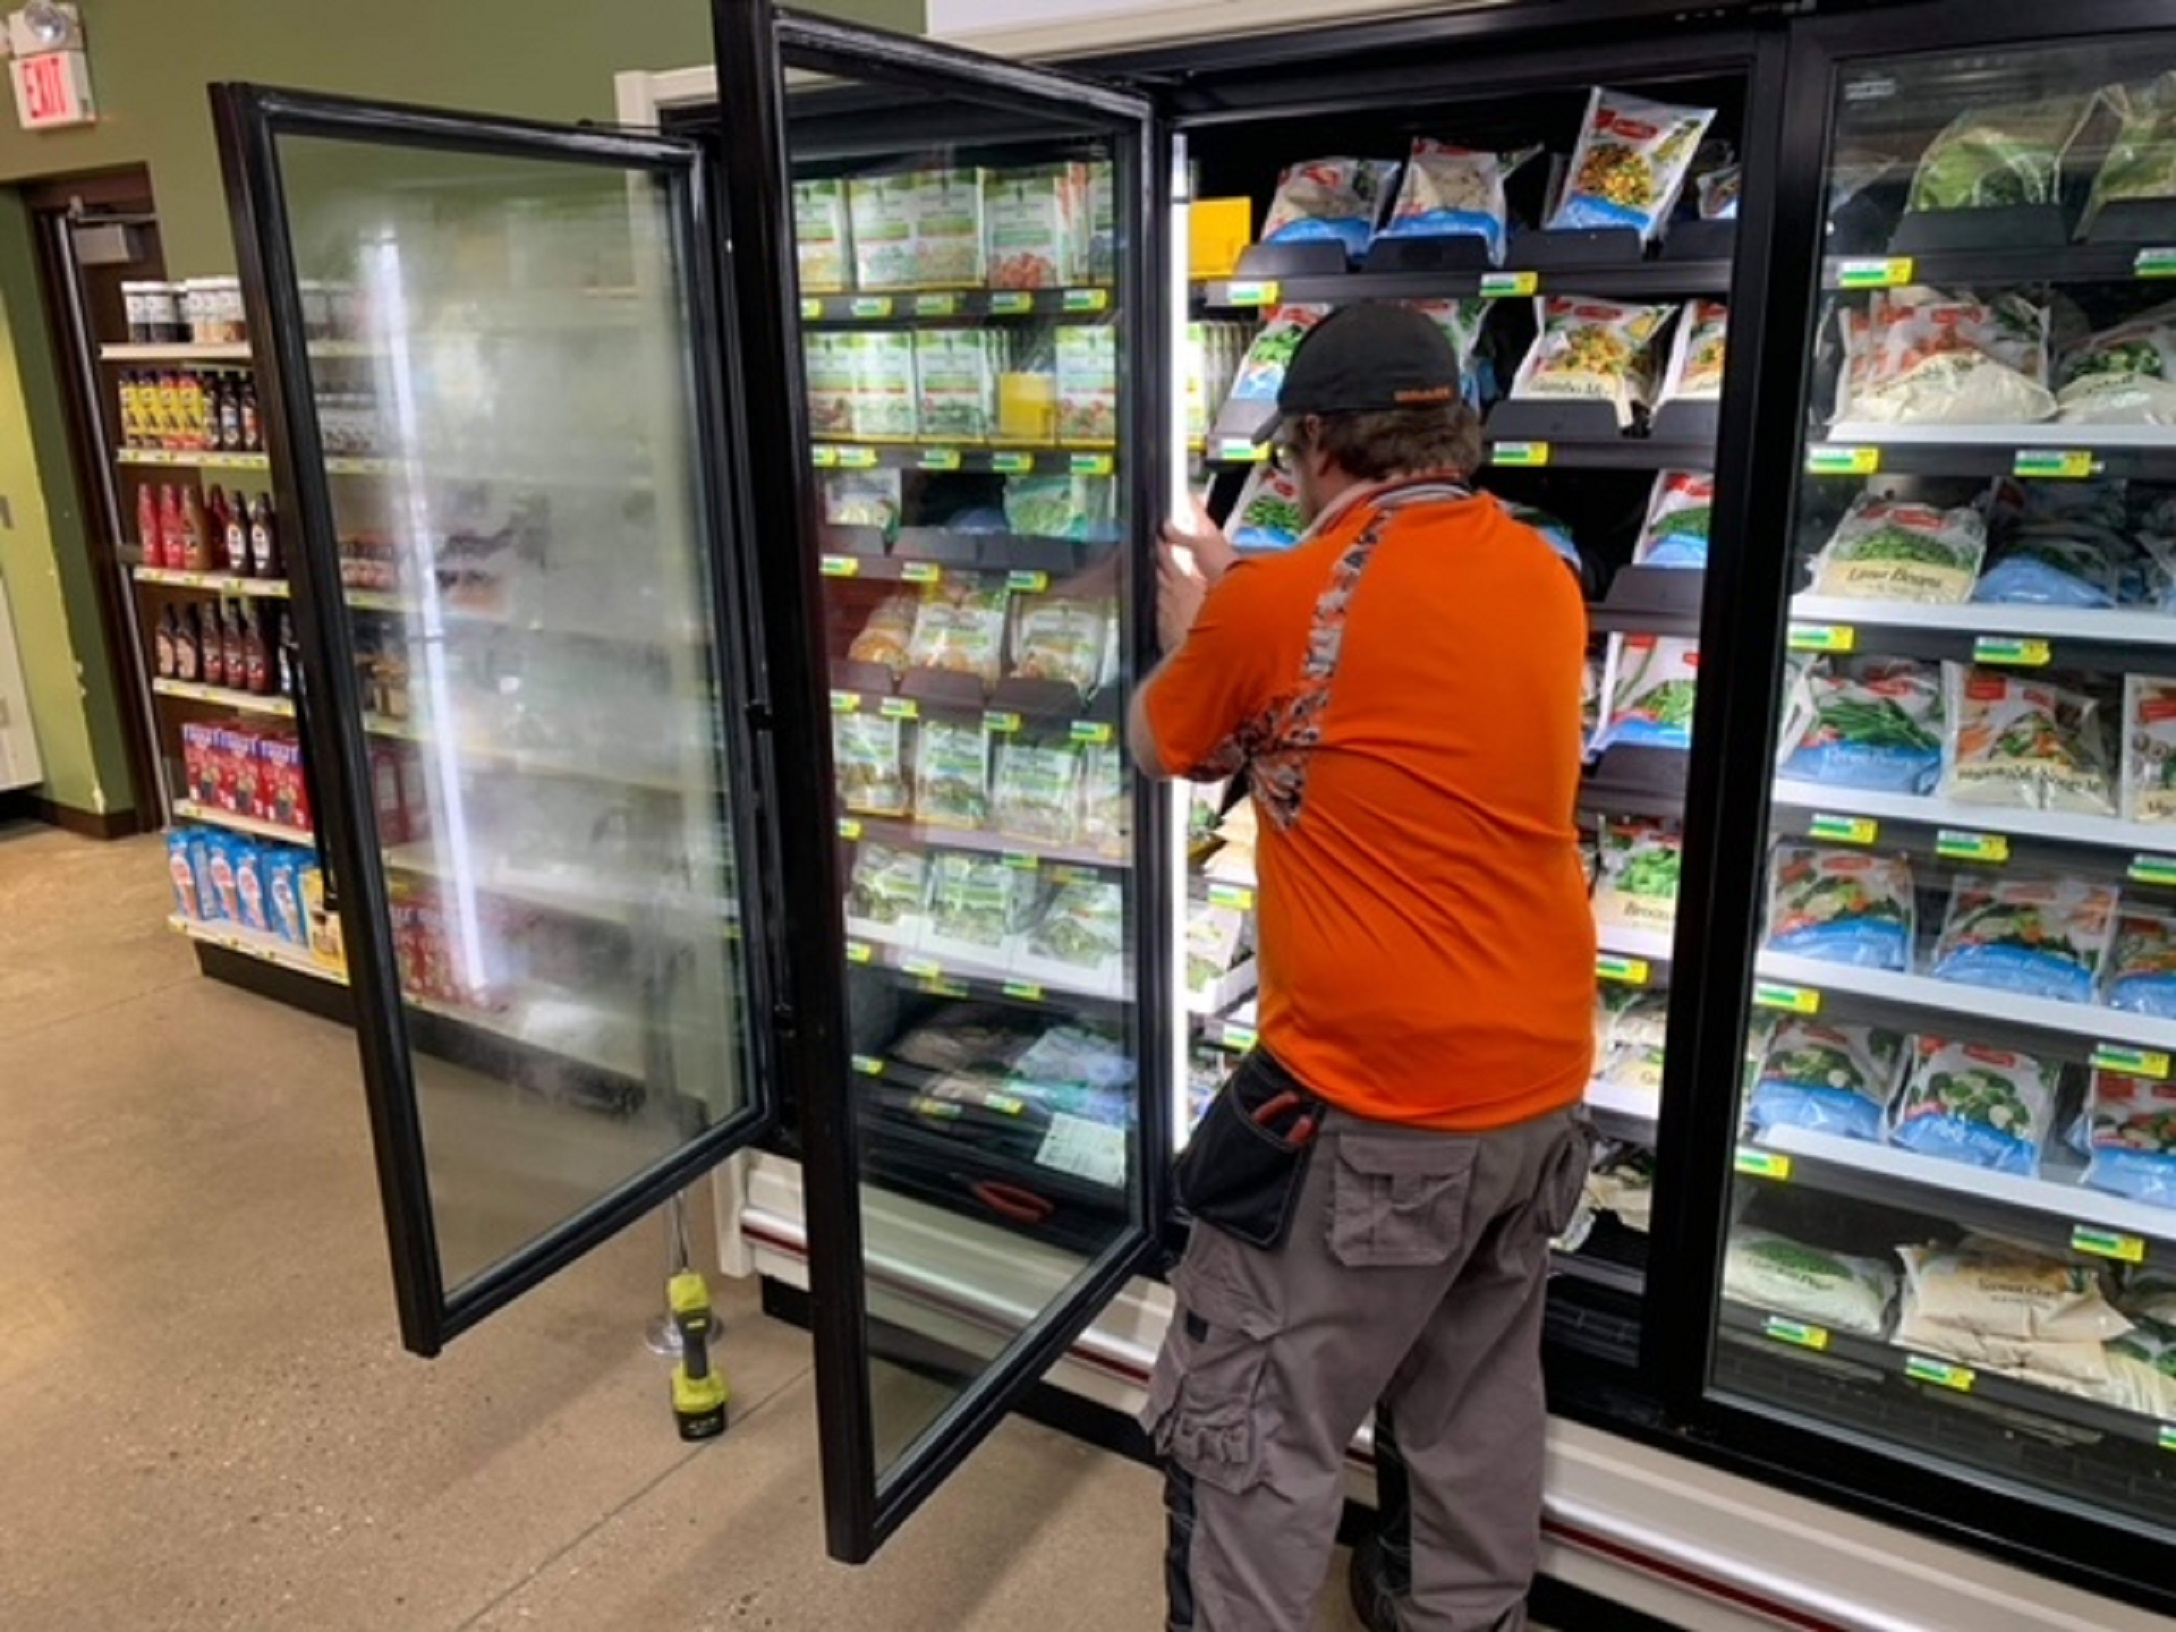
x: 1403, y: 690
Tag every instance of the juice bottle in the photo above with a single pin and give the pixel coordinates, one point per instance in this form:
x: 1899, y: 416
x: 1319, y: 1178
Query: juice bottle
x: 237, y: 656
x: 162, y: 645
x: 148, y: 533
x: 265, y: 559
x: 173, y: 528
x: 196, y: 530
x: 211, y: 644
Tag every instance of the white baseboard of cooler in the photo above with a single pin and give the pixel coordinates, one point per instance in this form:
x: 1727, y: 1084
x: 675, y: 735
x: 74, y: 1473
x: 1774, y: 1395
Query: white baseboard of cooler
x: 1691, y: 1545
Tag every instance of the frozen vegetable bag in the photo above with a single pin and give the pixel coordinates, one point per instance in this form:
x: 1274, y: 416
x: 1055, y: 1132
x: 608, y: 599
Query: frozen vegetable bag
x: 1834, y: 1079
x: 1678, y: 517
x: 1338, y: 200
x: 1985, y: 1106
x: 1593, y: 350
x: 2039, y: 937
x: 1651, y: 686
x: 1453, y: 192
x: 1894, y: 550
x: 2132, y: 1122
x: 1631, y: 162
x: 1841, y: 906
x: 1867, y: 722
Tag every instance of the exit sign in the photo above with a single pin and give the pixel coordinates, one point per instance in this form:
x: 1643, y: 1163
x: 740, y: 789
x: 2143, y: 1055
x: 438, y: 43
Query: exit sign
x: 53, y: 90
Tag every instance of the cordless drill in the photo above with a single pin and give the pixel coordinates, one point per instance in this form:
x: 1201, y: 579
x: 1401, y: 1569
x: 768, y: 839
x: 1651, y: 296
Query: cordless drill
x: 698, y: 1388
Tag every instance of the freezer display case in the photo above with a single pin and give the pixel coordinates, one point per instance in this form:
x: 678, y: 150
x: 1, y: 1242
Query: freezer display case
x: 1952, y: 1223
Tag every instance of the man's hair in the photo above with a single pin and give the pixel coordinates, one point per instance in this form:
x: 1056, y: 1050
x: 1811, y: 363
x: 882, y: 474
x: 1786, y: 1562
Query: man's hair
x: 1403, y: 441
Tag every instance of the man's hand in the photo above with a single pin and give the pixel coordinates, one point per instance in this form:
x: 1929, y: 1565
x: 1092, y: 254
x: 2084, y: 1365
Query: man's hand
x: 1189, y: 562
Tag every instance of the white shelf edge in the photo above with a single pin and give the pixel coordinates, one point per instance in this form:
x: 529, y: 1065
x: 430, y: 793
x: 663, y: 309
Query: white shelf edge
x: 264, y: 948
x: 1990, y: 618
x: 1618, y: 1100
x: 2045, y: 433
x: 176, y: 351
x: 188, y: 810
x: 2087, y: 1021
x: 2104, y: 831
x: 243, y: 702
x: 1655, y: 945
x: 2056, y: 1198
x: 226, y: 583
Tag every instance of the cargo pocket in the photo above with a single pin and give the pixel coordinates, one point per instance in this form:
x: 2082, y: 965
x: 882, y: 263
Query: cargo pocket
x: 1564, y: 1178
x: 1399, y: 1203
x: 1205, y: 1412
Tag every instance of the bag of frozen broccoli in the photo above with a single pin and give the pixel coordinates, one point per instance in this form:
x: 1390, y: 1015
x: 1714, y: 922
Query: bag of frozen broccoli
x: 888, y: 892
x: 1592, y: 350
x: 2142, y: 966
x: 1452, y: 192
x: 871, y: 768
x: 951, y: 775
x: 1695, y: 373
x: 1635, y: 885
x: 1763, y: 1270
x: 1833, y: 1079
x: 1340, y: 200
x: 2016, y: 741
x: 2132, y: 1124
x: 2039, y: 937
x: 1995, y: 157
x: 1866, y: 722
x: 1267, y: 516
x: 1630, y: 163
x: 977, y: 903
x: 2125, y: 375
x: 1652, y: 683
x: 1675, y: 533
x: 1037, y: 795
x: 1894, y: 550
x: 1841, y: 906
x: 1985, y: 1106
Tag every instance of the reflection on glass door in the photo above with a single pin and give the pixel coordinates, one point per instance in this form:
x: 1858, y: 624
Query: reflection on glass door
x: 1955, y: 1212
x: 500, y: 421
x: 965, y: 316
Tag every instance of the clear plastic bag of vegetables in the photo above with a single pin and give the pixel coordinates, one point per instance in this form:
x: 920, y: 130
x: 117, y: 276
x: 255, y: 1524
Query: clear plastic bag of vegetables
x: 2038, y: 937
x: 1865, y: 722
x: 1679, y: 514
x: 2131, y: 1137
x: 1985, y: 1106
x: 1896, y: 550
x: 2001, y: 156
x: 2141, y: 161
x: 1828, y: 1078
x: 1631, y: 162
x: 1652, y: 684
x: 1841, y: 906
x: 2123, y: 375
x: 2025, y: 742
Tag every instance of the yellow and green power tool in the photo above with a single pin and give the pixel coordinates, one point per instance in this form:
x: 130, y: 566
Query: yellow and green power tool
x: 698, y: 1387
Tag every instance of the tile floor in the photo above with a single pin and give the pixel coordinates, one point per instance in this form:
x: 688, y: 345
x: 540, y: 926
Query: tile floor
x: 207, y: 1423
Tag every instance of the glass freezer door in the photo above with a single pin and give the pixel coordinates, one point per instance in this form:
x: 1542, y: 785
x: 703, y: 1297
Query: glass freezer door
x: 972, y: 350
x: 1954, y: 1219
x: 491, y: 366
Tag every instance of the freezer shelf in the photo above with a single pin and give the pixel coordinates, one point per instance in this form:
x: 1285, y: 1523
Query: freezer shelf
x: 2054, y: 1210
x: 1635, y: 280
x: 588, y: 893
x: 830, y: 310
x: 2145, y: 851
x: 2030, y: 452
x: 1902, y: 1002
x: 949, y: 975
x: 2028, y: 637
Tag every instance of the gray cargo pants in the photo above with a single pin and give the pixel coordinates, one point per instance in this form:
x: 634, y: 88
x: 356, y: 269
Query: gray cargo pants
x: 1414, y: 1278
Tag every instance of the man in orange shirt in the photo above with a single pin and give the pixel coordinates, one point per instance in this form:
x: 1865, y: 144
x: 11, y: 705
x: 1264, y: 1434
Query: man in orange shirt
x: 1402, y: 691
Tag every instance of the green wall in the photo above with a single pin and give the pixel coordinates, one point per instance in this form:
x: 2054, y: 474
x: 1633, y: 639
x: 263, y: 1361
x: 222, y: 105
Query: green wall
x: 43, y: 555
x: 150, y: 63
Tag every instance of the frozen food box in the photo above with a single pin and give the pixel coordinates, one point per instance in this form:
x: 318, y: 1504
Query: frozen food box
x: 829, y: 366
x: 822, y: 236
x: 881, y: 227
x: 948, y: 230
x: 1029, y: 227
x: 1088, y: 384
x: 955, y: 384
x: 1102, y: 264
x: 252, y: 866
x: 883, y: 372
x: 281, y: 795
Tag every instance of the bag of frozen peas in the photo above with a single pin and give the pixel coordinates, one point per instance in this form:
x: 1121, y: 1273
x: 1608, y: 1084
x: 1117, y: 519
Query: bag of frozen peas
x: 1832, y: 1079
x: 2040, y: 937
x: 1983, y: 1106
x: 1631, y: 161
x: 1841, y: 906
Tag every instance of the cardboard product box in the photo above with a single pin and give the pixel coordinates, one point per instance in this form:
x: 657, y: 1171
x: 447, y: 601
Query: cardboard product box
x: 948, y: 230
x: 282, y: 795
x: 1088, y: 384
x: 324, y: 924
x: 1218, y: 231
x: 239, y: 779
x: 884, y: 391
x: 828, y: 366
x: 881, y: 228
x: 199, y: 762
x: 1102, y: 215
x: 823, y: 242
x: 955, y: 385
x: 1032, y: 228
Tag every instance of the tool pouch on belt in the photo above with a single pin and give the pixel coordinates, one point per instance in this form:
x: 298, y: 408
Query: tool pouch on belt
x: 1243, y: 1167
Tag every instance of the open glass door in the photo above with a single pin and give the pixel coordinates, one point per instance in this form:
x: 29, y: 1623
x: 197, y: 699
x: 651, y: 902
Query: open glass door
x: 968, y: 329
x: 490, y: 362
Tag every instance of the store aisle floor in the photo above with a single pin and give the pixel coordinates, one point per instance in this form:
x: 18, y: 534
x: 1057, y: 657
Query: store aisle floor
x: 207, y: 1423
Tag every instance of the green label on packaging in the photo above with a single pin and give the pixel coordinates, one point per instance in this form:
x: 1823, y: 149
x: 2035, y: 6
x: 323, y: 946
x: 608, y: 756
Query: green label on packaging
x: 1923, y: 1369
x: 1823, y: 637
x: 2014, y: 650
x: 1763, y: 1164
x: 1768, y: 994
x: 2099, y: 1243
x: 1628, y: 971
x: 1875, y: 274
x: 1519, y: 455
x: 1958, y: 845
x: 1795, y: 1332
x: 1829, y: 460
x: 2056, y: 464
x: 2127, y: 1061
x: 1844, y: 829
x: 2157, y: 261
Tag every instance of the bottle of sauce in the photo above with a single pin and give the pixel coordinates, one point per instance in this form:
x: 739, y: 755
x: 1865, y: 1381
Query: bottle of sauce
x: 236, y: 653
x: 256, y: 659
x: 196, y: 530
x: 192, y: 408
x: 212, y: 643
x: 252, y: 428
x: 170, y: 420
x: 173, y: 535
x: 265, y: 557
x: 230, y: 415
x: 283, y: 651
x: 128, y: 409
x: 186, y: 666
x: 162, y: 645
x: 231, y: 530
x: 148, y: 532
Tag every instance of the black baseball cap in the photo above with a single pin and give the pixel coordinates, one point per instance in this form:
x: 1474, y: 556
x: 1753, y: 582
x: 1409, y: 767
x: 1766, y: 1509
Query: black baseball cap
x: 1367, y: 359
